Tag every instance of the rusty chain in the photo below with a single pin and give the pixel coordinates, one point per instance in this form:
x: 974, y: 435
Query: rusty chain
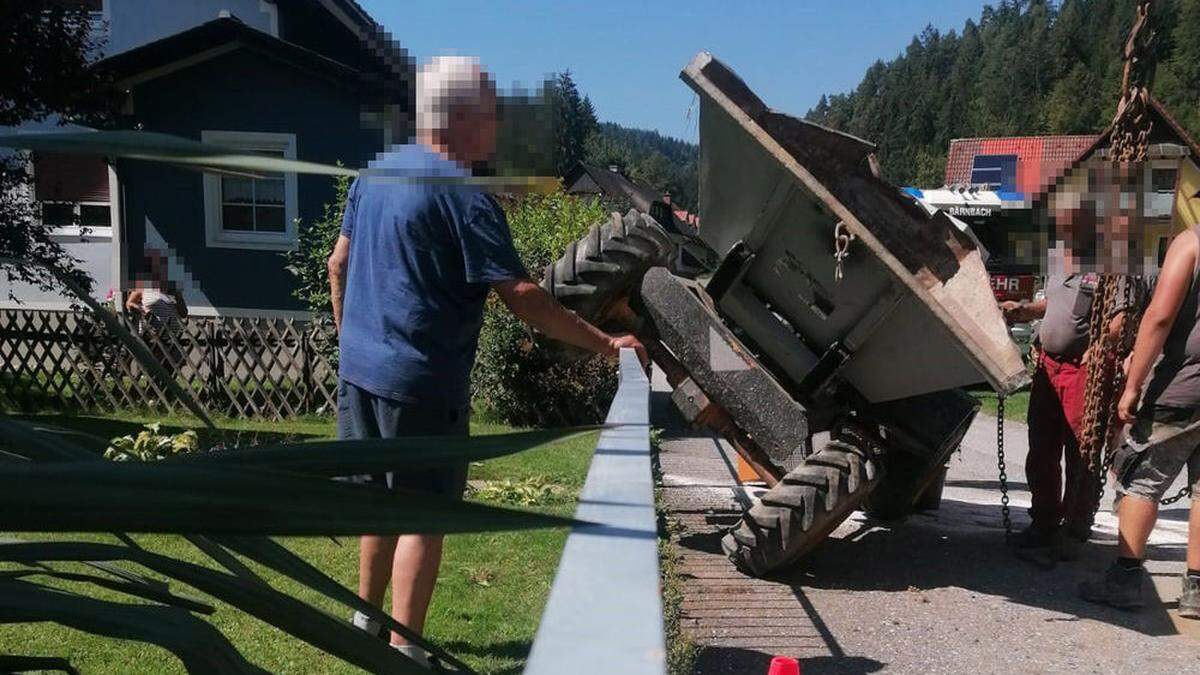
x: 1129, y: 143
x: 1005, y: 513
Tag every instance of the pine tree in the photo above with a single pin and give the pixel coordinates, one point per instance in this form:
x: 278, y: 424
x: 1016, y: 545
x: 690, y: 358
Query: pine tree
x: 1025, y: 67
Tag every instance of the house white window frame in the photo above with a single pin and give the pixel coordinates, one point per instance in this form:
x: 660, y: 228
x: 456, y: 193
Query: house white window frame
x: 78, y: 233
x: 216, y: 235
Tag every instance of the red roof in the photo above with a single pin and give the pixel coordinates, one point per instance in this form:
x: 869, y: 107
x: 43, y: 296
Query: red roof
x: 1040, y: 159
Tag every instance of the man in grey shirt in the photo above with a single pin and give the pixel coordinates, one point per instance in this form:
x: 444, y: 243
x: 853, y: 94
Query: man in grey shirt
x: 1062, y: 511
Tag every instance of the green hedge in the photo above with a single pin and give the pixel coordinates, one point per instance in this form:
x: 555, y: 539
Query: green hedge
x: 518, y: 380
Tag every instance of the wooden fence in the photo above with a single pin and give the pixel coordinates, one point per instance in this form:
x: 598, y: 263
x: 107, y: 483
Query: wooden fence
x: 241, y: 367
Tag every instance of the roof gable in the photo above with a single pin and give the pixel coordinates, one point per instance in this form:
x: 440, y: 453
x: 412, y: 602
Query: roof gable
x: 209, y: 40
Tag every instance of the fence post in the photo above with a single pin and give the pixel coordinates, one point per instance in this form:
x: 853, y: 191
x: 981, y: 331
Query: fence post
x: 214, y: 364
x: 306, y: 369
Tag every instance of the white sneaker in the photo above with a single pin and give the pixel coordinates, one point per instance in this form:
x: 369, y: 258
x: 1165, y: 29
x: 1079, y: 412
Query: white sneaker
x: 420, y: 656
x: 364, y: 623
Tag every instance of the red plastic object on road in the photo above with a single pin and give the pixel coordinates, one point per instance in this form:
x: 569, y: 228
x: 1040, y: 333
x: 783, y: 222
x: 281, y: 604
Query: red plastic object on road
x: 782, y: 665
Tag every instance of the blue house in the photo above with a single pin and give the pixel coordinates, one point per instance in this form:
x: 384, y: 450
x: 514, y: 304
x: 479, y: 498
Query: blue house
x: 315, y: 80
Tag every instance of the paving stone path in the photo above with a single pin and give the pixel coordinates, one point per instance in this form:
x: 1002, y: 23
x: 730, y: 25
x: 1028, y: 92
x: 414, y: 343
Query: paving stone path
x: 938, y: 593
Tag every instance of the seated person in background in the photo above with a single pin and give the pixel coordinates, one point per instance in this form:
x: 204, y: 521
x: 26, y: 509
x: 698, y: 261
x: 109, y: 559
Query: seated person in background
x: 154, y: 298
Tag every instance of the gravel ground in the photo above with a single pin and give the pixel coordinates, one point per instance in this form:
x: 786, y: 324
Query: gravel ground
x: 939, y: 593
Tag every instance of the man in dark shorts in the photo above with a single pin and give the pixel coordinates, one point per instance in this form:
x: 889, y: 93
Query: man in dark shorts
x: 1165, y: 434
x: 1062, y: 511
x: 408, y: 277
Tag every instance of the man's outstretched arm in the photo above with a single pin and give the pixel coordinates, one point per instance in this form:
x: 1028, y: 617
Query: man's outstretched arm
x: 533, y: 305
x: 339, y: 260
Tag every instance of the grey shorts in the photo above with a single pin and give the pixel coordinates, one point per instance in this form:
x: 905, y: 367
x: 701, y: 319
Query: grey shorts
x: 1165, y: 440
x: 361, y: 414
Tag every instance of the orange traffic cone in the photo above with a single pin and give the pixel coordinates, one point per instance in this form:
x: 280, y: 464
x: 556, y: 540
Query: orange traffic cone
x: 782, y: 665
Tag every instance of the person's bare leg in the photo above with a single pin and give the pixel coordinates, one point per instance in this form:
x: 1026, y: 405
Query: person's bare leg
x: 375, y: 567
x: 1193, y: 550
x: 414, y: 573
x: 1137, y: 516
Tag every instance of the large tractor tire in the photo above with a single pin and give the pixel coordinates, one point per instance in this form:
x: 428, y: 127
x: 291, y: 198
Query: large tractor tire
x: 912, y: 484
x: 790, y: 519
x: 597, y: 273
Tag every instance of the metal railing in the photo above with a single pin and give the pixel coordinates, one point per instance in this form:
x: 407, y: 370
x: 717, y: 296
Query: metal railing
x: 604, y: 614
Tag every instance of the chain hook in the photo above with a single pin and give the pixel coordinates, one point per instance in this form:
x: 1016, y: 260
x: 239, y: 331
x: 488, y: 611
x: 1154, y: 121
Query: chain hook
x: 842, y: 237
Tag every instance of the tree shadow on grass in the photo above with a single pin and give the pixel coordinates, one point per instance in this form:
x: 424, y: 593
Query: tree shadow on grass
x: 515, y: 651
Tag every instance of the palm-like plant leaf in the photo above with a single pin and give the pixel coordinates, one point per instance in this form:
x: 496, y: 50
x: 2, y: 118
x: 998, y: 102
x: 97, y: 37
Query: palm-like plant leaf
x: 377, y: 455
x: 332, y: 635
x: 106, y: 497
x: 156, y: 147
x: 36, y: 444
x: 202, y: 648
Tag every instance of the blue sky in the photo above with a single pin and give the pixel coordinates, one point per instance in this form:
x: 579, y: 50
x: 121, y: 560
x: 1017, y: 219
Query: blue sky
x: 627, y: 55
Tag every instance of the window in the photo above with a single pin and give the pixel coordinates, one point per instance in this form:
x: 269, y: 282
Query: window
x: 72, y: 191
x: 251, y: 212
x: 1163, y: 180
x: 997, y: 170
x: 76, y: 214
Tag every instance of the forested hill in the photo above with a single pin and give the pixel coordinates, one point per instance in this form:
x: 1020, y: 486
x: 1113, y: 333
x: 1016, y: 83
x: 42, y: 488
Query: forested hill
x: 648, y: 157
x: 1026, y: 67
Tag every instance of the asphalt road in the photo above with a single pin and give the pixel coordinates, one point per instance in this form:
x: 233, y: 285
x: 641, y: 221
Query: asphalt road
x: 938, y: 593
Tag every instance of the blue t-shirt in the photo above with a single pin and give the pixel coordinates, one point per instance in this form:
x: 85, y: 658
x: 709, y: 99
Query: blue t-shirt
x: 422, y: 258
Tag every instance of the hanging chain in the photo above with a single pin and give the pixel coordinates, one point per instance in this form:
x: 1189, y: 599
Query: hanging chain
x: 841, y: 248
x: 1004, y: 510
x: 1128, y: 142
x: 1130, y: 135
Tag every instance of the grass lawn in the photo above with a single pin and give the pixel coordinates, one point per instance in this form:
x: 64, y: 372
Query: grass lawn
x: 1016, y: 406
x: 486, y: 608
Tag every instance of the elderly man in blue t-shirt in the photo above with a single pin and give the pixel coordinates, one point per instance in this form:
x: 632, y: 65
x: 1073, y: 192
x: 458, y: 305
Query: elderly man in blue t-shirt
x: 409, y: 275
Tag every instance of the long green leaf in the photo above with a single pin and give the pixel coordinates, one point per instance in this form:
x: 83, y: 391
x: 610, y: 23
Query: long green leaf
x: 331, y: 635
x: 274, y: 555
x: 200, y: 647
x: 135, y: 345
x: 377, y: 455
x: 35, y: 443
x: 110, y: 496
x: 155, y: 592
x: 10, y: 663
x: 157, y: 147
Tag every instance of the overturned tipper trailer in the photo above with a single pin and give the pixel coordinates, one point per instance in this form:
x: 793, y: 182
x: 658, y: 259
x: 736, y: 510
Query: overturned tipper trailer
x: 837, y: 303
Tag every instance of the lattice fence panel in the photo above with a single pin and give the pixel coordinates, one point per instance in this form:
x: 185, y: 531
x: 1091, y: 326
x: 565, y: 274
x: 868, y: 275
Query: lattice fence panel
x: 243, y: 367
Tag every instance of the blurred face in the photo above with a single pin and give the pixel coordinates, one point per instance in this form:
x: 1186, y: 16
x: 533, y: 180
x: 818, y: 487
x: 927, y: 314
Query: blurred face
x: 472, y: 134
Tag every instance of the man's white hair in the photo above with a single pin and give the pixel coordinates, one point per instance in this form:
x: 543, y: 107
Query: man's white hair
x: 445, y: 82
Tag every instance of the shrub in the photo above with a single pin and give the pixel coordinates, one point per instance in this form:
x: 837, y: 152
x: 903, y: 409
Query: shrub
x: 308, y: 262
x: 151, y: 445
x: 517, y: 380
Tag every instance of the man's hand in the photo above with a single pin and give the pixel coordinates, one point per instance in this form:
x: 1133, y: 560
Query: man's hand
x: 628, y: 340
x: 1019, y: 311
x: 1127, y: 407
x: 533, y: 305
x: 1008, y: 308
